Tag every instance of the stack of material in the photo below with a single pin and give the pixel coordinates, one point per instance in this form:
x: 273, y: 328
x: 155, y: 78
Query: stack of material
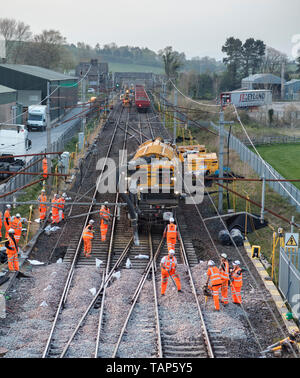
x: 224, y: 237
x: 237, y: 236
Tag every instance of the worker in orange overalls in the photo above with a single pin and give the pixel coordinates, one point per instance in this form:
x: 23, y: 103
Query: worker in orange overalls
x: 61, y: 205
x: 171, y: 234
x: 12, y: 252
x: 236, y: 283
x: 224, y: 272
x: 168, y: 266
x: 42, y: 208
x: 7, y: 219
x: 0, y: 225
x: 45, y: 167
x: 88, y: 236
x: 104, y: 219
x: 214, y: 282
x: 55, y: 209
x: 16, y: 225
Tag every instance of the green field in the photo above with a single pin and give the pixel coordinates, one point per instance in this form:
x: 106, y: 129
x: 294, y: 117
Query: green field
x: 285, y: 158
x: 121, y: 67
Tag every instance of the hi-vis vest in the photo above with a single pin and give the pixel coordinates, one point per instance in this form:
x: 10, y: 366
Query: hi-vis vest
x: 104, y: 213
x: 42, y: 198
x: 214, y: 276
x: 87, y: 233
x: 6, y: 216
x: 171, y: 231
x: 224, y: 273
x: 237, y: 277
x: 169, y: 263
x: 13, y: 249
x: 17, y: 226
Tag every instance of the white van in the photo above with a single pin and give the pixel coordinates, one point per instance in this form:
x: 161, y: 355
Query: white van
x: 14, y: 140
x: 37, y: 117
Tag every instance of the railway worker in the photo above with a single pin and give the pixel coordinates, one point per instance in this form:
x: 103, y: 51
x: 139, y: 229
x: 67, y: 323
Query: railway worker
x: 55, y: 209
x: 87, y: 236
x: 171, y: 234
x: 45, y: 167
x: 16, y: 225
x: 0, y: 225
x: 61, y: 206
x: 12, y: 251
x: 42, y: 208
x: 168, y: 266
x: 7, y: 219
x: 214, y: 282
x: 104, y: 219
x: 236, y: 283
x: 224, y: 272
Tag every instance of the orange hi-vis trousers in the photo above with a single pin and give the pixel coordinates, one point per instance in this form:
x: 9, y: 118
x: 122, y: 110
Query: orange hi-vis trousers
x: 215, y: 293
x: 224, y: 292
x: 164, y: 279
x: 236, y: 293
x: 103, y: 230
x: 171, y: 243
x: 87, y: 243
x: 12, y: 259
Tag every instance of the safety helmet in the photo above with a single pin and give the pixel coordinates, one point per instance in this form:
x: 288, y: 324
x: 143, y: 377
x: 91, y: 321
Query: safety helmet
x: 236, y: 262
x: 211, y: 262
x: 43, y: 190
x: 171, y: 220
x: 105, y: 203
x: 64, y: 195
x: 18, y: 215
x: 224, y: 255
x: 8, y: 206
x: 171, y: 251
x: 11, y: 231
x: 91, y: 221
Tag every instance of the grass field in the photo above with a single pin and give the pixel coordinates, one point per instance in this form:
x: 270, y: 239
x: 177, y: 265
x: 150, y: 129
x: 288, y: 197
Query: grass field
x: 120, y: 67
x: 284, y: 158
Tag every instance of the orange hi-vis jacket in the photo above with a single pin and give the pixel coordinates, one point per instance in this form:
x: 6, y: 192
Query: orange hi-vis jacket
x: 224, y: 271
x: 171, y: 231
x: 237, y: 278
x: 16, y: 224
x: 7, y: 219
x: 0, y: 224
x: 42, y: 198
x: 214, y: 276
x: 45, y: 167
x: 169, y: 263
x: 87, y: 233
x: 104, y: 213
x: 12, y: 254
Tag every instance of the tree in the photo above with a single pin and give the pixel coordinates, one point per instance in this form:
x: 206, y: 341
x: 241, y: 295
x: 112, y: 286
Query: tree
x: 252, y: 52
x: 46, y: 49
x: 272, y: 61
x: 173, y: 61
x: 233, y: 47
x: 298, y: 65
x: 14, y: 33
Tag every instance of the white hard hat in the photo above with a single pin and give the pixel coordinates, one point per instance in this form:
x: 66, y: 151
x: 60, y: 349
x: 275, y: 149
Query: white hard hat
x: 211, y: 262
x: 8, y: 206
x: 105, y: 203
x: 172, y: 252
x: 64, y: 195
x: 171, y: 219
x: 18, y: 215
x: 237, y: 262
x: 91, y: 221
x: 224, y: 255
x: 43, y: 190
x: 11, y: 231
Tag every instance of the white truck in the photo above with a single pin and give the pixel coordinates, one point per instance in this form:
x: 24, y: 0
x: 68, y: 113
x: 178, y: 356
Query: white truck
x: 37, y: 117
x: 13, y: 141
x: 247, y: 98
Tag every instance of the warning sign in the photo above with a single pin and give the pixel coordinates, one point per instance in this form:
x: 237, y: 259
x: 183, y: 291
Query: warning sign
x: 291, y: 240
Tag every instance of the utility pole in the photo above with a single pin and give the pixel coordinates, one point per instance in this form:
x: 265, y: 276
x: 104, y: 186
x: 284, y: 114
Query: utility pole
x: 221, y: 158
x: 263, y: 193
x: 83, y: 100
x: 175, y: 117
x: 282, y: 79
x: 48, y: 128
x: 164, y: 96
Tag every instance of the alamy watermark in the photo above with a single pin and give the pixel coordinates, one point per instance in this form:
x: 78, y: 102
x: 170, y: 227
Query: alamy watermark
x: 153, y: 175
x: 296, y: 46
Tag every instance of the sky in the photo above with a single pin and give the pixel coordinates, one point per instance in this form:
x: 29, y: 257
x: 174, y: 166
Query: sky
x: 195, y: 27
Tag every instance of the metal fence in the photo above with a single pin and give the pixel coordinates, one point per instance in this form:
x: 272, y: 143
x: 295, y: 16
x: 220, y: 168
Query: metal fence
x: 271, y: 140
x: 289, y: 279
x: 263, y: 169
x: 20, y: 180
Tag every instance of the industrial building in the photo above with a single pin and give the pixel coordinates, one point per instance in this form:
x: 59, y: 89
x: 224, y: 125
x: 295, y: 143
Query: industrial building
x: 31, y: 83
x: 97, y: 74
x: 8, y: 105
x: 292, y: 90
x: 264, y: 81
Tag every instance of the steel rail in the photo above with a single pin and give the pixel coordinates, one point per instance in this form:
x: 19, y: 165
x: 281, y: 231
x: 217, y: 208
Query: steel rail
x: 71, y: 270
x: 136, y: 295
x: 203, y: 326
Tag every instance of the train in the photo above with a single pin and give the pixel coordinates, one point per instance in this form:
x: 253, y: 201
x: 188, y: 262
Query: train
x: 156, y: 177
x: 142, y: 101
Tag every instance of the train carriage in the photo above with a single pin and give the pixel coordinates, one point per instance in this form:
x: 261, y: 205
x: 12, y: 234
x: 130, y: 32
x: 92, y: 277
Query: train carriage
x: 142, y: 101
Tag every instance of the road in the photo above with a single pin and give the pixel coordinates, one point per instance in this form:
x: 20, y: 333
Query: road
x: 39, y: 138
